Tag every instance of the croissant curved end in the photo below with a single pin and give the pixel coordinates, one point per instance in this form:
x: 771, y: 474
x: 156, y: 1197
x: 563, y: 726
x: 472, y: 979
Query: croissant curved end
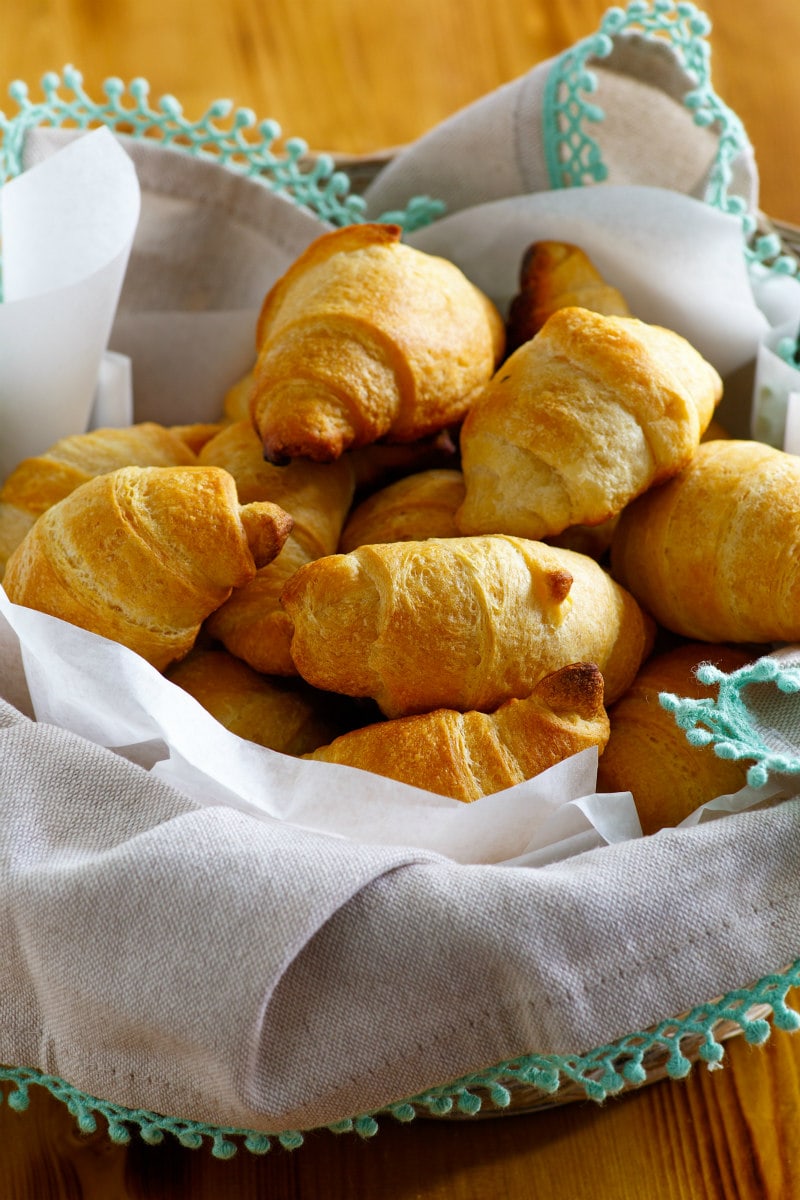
x: 577, y: 688
x: 266, y: 528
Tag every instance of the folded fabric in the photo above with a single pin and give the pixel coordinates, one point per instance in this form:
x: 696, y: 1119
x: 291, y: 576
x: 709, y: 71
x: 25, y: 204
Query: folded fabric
x: 204, y: 964
x: 620, y: 107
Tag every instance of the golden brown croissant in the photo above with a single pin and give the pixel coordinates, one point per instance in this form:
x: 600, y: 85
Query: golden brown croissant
x: 37, y: 483
x: 251, y: 624
x: 459, y: 622
x: 283, y: 715
x: 648, y: 754
x: 473, y: 754
x: 580, y: 420
x: 236, y: 404
x: 411, y: 509
x: 381, y: 463
x: 557, y: 275
x: 143, y: 554
x: 713, y: 553
x: 196, y: 434
x: 364, y: 338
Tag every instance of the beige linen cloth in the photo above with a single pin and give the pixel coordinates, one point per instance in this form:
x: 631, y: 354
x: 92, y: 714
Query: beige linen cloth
x: 203, y: 964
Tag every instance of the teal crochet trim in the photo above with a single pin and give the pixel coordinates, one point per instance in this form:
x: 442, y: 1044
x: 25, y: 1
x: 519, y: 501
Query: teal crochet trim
x: 788, y: 349
x: 315, y: 185
x: 727, y: 723
x: 602, y: 1073
x: 573, y: 156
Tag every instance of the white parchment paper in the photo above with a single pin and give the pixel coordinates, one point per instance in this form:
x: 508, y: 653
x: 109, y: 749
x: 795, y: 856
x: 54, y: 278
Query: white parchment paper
x: 677, y: 261
x: 109, y: 695
x: 68, y: 226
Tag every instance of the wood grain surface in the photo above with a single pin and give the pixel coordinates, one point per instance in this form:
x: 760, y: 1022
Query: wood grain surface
x: 356, y: 76
x: 359, y: 75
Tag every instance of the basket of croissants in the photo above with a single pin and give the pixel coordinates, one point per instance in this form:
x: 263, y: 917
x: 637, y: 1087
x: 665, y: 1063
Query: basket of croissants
x: 440, y: 544
x: 474, y: 538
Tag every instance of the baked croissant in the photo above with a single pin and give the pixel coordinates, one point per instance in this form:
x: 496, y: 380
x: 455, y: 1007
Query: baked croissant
x: 37, y: 483
x: 462, y: 623
x: 142, y: 555
x: 714, y: 553
x: 557, y: 275
x: 196, y: 434
x: 251, y: 624
x: 648, y: 754
x: 473, y: 754
x: 411, y: 509
x: 578, y: 421
x: 381, y: 463
x: 287, y: 716
x: 236, y: 403
x: 595, y: 540
x: 365, y: 338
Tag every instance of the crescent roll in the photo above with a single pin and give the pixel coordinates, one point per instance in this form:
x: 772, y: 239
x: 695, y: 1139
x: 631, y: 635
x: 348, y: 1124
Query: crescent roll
x: 366, y: 338
x: 557, y: 275
x: 463, y: 623
x: 580, y: 420
x: 283, y: 715
x: 648, y: 754
x: 714, y: 553
x: 142, y: 555
x: 37, y: 483
x: 251, y: 624
x: 473, y: 754
x: 420, y: 506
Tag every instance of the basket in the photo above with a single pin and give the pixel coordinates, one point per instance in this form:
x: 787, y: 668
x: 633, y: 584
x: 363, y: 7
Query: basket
x: 331, y: 188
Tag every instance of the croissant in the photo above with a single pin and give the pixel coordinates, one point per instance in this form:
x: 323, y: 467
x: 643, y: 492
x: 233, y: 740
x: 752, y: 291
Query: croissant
x: 462, y: 623
x: 473, y: 754
x: 251, y: 624
x: 381, y: 463
x: 579, y: 421
x: 557, y: 275
x: 647, y: 752
x: 236, y: 404
x: 713, y: 553
x: 196, y: 434
x: 364, y: 338
x: 37, y: 483
x: 142, y: 555
x: 411, y: 509
x: 284, y: 715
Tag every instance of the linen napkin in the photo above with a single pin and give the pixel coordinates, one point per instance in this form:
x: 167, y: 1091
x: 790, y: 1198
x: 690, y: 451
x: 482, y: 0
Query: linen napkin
x: 203, y: 962
x: 624, y: 102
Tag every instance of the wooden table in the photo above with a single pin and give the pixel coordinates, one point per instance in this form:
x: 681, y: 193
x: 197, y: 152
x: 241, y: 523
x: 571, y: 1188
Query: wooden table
x: 359, y: 75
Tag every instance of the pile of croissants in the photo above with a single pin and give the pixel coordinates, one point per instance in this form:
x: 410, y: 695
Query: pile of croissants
x: 430, y: 541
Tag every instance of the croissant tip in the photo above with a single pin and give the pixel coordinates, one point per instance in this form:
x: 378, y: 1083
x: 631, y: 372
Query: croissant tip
x: 266, y: 526
x: 578, y: 687
x: 559, y: 583
x: 544, y: 255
